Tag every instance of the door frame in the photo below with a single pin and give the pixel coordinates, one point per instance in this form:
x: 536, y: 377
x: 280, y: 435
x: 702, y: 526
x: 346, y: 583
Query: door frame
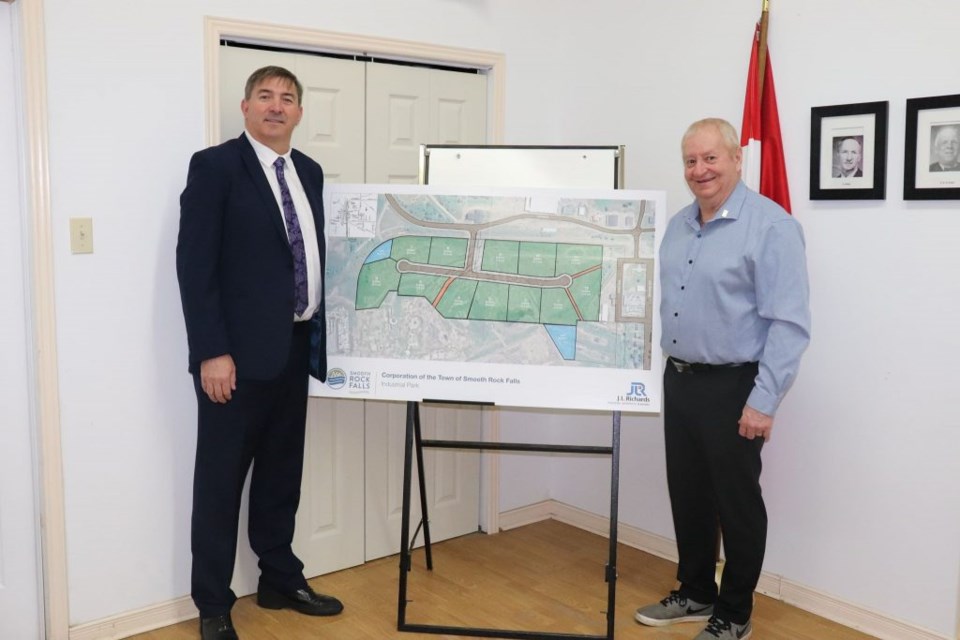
x: 216, y: 29
x: 43, y: 382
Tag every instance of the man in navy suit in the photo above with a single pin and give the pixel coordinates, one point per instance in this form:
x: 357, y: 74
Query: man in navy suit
x: 250, y: 257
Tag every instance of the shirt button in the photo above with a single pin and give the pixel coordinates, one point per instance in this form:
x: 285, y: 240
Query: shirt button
x: 674, y: 342
x: 689, y: 261
x: 675, y: 314
x: 682, y: 288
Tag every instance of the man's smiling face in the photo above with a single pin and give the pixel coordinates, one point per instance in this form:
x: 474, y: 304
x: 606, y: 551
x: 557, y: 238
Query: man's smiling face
x: 711, y: 169
x: 272, y: 112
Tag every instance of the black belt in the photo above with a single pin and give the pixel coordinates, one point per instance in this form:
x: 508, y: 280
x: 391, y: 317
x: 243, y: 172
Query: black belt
x: 682, y: 366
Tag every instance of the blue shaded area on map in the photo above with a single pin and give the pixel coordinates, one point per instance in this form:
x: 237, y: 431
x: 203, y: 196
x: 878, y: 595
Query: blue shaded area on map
x: 380, y: 253
x: 565, y: 339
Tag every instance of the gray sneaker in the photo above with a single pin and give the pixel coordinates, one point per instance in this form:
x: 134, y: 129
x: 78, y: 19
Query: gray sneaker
x: 673, y: 609
x: 722, y: 630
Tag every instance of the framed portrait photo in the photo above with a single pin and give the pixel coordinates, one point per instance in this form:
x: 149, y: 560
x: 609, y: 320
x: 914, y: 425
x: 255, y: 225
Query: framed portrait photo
x: 848, y: 151
x: 931, y: 168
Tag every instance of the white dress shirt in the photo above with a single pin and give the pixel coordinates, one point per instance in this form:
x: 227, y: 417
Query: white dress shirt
x: 308, y: 229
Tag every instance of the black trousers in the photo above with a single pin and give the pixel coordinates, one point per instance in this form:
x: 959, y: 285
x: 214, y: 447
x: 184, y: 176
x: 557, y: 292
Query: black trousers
x: 264, y: 425
x: 713, y: 475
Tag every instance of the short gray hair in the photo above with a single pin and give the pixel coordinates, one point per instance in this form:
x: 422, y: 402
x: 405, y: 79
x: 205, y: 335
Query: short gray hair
x: 727, y: 133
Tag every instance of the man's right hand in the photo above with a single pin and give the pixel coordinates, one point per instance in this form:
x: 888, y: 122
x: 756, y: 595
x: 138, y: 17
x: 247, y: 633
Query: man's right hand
x: 218, y: 378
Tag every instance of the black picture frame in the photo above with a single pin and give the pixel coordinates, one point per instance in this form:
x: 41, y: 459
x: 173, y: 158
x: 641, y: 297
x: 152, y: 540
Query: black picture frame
x: 844, y: 131
x: 933, y: 127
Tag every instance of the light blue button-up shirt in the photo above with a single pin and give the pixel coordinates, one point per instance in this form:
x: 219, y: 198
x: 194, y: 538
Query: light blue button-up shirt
x: 736, y: 290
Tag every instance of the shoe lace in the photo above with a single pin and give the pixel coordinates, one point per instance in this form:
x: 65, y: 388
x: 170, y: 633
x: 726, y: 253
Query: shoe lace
x: 674, y: 597
x: 716, y: 626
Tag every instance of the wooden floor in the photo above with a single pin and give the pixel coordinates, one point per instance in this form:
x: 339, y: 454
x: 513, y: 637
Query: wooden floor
x: 544, y: 577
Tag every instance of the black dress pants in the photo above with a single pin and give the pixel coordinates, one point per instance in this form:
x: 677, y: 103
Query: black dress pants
x: 713, y: 475
x: 264, y: 425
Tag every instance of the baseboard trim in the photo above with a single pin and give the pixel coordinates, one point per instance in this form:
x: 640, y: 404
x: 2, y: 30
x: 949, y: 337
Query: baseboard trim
x: 772, y: 585
x: 853, y: 616
x: 140, y: 621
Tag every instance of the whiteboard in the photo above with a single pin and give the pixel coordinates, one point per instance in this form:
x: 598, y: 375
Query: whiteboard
x: 522, y: 166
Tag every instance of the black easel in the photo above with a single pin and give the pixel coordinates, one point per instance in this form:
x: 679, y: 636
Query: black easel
x: 415, y: 442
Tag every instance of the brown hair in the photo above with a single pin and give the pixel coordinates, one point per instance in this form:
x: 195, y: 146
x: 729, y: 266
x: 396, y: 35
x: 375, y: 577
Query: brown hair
x: 265, y: 73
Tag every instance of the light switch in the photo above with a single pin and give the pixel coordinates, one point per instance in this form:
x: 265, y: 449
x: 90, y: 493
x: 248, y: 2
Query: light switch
x: 81, y: 235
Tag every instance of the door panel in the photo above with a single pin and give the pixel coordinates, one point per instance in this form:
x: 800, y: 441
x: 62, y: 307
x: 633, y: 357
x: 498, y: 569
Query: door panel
x: 331, y: 504
x: 332, y: 129
x: 458, y: 104
x: 452, y: 477
x: 420, y: 106
x: 385, y: 432
x: 410, y: 106
x: 398, y: 122
x: 331, y: 496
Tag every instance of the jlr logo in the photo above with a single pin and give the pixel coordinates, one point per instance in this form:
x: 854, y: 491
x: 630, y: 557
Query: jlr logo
x: 636, y: 395
x: 637, y: 390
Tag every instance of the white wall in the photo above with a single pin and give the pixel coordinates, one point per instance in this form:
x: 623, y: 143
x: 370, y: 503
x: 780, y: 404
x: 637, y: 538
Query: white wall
x: 859, y: 476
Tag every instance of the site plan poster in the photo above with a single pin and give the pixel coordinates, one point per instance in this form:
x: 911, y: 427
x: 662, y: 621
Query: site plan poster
x: 516, y: 297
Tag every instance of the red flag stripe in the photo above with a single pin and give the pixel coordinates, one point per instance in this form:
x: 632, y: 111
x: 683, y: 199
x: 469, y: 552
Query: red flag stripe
x: 762, y: 122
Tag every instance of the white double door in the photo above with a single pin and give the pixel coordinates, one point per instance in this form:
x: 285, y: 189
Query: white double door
x: 365, y: 122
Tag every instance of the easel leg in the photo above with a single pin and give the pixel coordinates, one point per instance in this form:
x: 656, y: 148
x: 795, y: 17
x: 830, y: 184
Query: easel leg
x: 614, y: 517
x: 405, y: 518
x: 424, y: 515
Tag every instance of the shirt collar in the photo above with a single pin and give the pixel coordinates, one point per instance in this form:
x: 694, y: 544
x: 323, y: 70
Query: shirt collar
x: 729, y: 210
x: 265, y: 154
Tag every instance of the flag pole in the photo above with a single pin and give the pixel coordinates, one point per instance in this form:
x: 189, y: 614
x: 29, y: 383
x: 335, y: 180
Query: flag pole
x: 764, y: 168
x: 762, y: 52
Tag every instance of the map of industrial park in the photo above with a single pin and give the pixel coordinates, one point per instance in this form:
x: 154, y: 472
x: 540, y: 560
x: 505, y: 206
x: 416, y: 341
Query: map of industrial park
x: 491, y: 279
x: 419, y: 276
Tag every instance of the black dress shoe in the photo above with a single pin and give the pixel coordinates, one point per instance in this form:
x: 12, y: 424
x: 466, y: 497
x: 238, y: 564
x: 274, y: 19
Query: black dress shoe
x: 304, y: 600
x: 218, y: 628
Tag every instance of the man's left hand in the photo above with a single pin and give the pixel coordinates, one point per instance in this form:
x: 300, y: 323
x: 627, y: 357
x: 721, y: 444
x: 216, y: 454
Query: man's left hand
x: 754, y: 424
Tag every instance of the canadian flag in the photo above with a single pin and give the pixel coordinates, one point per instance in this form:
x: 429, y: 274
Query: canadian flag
x: 764, y: 169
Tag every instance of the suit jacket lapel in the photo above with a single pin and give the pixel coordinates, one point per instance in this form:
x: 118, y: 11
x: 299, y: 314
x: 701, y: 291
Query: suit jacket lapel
x: 253, y: 166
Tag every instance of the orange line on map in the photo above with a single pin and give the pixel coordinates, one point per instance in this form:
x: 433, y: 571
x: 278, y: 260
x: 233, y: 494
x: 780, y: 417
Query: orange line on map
x: 586, y: 271
x: 574, y: 303
x: 443, y: 290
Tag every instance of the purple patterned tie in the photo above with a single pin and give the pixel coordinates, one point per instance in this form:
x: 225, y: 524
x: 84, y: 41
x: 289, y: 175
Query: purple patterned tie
x: 296, y: 242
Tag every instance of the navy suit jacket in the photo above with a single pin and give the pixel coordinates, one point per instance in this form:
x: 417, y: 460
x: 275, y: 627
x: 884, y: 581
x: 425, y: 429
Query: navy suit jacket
x: 234, y: 262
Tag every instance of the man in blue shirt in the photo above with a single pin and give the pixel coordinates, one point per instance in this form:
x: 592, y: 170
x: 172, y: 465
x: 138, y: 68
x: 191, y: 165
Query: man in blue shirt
x: 735, y: 322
